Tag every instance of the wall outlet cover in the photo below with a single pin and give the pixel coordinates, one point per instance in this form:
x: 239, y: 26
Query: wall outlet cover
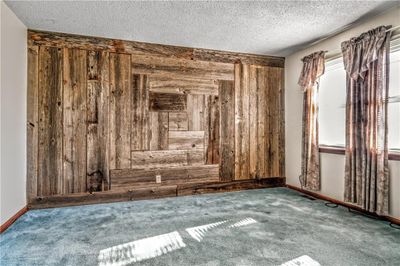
x: 158, y: 179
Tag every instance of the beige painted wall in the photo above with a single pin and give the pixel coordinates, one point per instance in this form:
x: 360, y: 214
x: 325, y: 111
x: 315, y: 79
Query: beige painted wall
x: 332, y: 166
x: 13, y: 114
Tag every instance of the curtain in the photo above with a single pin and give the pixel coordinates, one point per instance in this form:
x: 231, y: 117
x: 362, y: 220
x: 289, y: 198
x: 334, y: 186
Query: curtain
x: 366, y: 61
x: 313, y: 68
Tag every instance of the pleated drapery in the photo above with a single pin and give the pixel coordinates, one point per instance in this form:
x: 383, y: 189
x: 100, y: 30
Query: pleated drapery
x: 366, y: 61
x: 313, y: 68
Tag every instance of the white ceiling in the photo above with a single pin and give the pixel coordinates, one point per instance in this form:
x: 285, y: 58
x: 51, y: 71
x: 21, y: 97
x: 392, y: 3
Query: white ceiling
x: 270, y: 27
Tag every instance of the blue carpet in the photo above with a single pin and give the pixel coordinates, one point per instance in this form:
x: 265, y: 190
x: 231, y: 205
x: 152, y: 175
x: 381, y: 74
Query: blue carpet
x: 253, y: 227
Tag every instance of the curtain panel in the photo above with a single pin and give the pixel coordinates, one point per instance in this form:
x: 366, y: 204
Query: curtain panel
x: 366, y: 61
x: 313, y: 68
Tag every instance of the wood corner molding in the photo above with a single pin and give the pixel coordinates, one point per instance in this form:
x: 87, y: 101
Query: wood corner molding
x: 66, y: 40
x: 15, y: 217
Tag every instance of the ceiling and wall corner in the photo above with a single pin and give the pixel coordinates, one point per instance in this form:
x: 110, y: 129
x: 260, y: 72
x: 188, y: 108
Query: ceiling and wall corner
x: 264, y: 27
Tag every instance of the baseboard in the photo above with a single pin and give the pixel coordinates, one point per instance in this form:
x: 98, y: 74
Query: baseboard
x: 129, y: 194
x: 342, y: 203
x: 15, y: 217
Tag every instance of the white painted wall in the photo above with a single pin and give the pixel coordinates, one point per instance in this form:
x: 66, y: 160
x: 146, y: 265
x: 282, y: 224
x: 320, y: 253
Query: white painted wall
x: 332, y: 166
x: 13, y: 114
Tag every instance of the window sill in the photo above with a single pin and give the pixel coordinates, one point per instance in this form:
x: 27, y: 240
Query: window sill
x: 393, y: 156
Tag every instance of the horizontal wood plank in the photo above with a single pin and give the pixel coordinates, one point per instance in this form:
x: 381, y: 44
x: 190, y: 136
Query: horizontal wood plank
x: 183, y: 85
x: 62, y: 40
x: 186, y: 140
x: 165, y: 158
x: 181, y: 68
x: 167, y: 102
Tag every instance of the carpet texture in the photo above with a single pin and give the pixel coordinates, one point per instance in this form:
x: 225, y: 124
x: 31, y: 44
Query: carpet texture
x: 253, y: 227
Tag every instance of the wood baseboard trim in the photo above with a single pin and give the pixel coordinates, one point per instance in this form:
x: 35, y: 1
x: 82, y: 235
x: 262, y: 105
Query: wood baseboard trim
x: 344, y: 204
x: 130, y: 194
x: 12, y: 220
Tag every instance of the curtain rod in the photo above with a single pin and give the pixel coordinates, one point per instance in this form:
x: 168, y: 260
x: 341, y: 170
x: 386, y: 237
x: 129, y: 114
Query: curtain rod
x: 337, y: 51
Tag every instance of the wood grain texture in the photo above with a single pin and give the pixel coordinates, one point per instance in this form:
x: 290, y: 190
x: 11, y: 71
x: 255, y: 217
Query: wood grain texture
x: 212, y: 130
x: 183, y: 85
x: 181, y: 68
x: 227, y: 130
x: 140, y: 48
x: 50, y: 135
x: 242, y: 136
x: 186, y: 140
x: 196, y: 112
x: 140, y: 136
x: 253, y: 116
x: 178, y: 121
x: 74, y: 139
x: 98, y: 98
x: 120, y: 111
x: 32, y: 122
x: 166, y: 158
x: 167, y: 102
x: 159, y: 131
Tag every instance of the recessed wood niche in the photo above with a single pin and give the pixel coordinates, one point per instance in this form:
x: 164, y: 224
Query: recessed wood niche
x: 106, y: 118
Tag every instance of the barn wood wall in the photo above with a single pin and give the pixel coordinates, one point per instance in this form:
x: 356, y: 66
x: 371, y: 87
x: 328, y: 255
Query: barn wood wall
x: 111, y: 115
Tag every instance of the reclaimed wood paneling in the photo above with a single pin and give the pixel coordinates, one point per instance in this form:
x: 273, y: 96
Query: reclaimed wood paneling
x: 98, y: 65
x: 227, y: 130
x: 178, y: 121
x: 186, y: 140
x: 166, y: 158
x: 183, y: 85
x: 158, y: 131
x: 32, y: 122
x: 262, y: 113
x: 56, y: 39
x: 74, y: 130
x: 140, y: 139
x: 50, y: 151
x: 212, y: 131
x: 242, y: 136
x: 253, y: 115
x: 181, y: 68
x: 120, y: 111
x: 167, y: 102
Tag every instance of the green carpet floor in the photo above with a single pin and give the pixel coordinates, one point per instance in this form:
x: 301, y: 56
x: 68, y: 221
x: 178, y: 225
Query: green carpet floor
x: 253, y: 227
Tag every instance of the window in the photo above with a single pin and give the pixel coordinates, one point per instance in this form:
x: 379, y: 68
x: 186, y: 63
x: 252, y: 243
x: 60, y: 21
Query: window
x: 332, y: 101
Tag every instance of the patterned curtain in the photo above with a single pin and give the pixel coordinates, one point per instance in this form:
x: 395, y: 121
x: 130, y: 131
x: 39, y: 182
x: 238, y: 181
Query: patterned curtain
x: 313, y: 68
x: 366, y: 61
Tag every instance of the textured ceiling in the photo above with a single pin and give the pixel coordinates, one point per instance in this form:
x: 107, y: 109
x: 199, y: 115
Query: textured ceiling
x: 270, y: 27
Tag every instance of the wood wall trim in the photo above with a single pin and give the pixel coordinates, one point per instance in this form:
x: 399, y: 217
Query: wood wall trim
x: 64, y: 40
x: 393, y: 156
x: 344, y: 204
x: 129, y: 194
x: 12, y: 220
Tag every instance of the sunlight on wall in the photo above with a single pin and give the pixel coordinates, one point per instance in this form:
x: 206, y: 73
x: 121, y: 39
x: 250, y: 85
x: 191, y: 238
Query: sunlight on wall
x: 140, y: 249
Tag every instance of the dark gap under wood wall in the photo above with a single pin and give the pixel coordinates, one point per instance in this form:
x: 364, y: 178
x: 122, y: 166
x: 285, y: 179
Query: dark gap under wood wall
x: 114, y: 115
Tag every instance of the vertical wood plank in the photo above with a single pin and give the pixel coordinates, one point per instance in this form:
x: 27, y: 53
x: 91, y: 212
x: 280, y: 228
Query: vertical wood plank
x: 196, y: 111
x: 212, y: 130
x: 261, y: 119
x: 74, y: 139
x: 32, y: 122
x: 242, y: 137
x: 159, y: 131
x: 178, y: 121
x: 120, y: 111
x: 50, y: 166
x: 97, y: 121
x: 227, y: 129
x: 140, y: 113
x: 253, y: 115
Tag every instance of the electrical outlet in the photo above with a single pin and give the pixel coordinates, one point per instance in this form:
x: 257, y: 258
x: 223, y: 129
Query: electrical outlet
x: 158, y: 179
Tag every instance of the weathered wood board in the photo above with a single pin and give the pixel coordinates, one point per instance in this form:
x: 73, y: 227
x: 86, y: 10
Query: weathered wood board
x: 159, y: 131
x: 162, y: 84
x: 178, y: 121
x: 186, y: 140
x: 166, y: 158
x: 167, y: 102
